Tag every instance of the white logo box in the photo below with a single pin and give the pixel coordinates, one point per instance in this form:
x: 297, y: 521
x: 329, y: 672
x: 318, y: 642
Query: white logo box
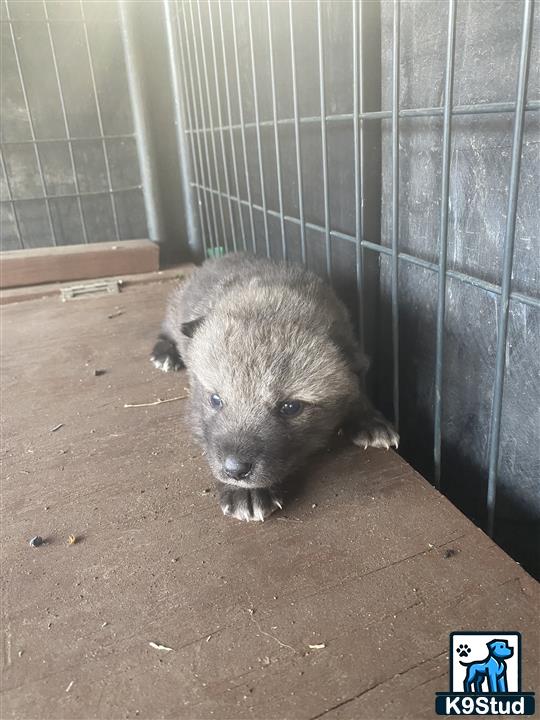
x: 477, y: 643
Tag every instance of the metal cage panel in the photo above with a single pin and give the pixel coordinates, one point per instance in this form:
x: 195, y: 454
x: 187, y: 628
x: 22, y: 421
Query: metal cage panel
x: 68, y: 152
x: 267, y: 96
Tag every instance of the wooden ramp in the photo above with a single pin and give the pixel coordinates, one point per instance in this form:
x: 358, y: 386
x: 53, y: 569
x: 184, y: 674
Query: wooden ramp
x: 338, y: 607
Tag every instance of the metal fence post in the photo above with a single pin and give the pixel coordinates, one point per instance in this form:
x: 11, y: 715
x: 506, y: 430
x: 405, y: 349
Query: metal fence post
x: 194, y: 228
x: 140, y: 122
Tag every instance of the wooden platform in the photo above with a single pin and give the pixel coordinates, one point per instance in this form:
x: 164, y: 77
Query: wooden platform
x: 338, y: 607
x: 35, y: 266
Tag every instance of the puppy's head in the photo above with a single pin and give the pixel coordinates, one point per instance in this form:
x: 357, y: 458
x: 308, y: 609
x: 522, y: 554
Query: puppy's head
x: 265, y: 395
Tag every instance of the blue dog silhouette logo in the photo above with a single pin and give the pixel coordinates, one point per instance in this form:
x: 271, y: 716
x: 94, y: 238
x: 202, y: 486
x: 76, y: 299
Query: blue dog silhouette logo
x: 485, y: 676
x: 491, y: 669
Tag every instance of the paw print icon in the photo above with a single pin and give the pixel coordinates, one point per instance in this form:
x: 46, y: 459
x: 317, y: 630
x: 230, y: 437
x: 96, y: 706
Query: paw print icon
x: 463, y: 650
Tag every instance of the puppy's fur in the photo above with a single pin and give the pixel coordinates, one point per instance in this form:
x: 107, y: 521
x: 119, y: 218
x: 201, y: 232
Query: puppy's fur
x: 257, y: 334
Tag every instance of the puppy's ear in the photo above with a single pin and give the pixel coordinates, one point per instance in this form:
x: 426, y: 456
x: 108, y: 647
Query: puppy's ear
x: 190, y: 328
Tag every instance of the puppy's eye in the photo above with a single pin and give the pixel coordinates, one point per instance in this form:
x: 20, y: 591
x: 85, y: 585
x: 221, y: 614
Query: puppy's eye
x: 215, y: 401
x: 291, y: 408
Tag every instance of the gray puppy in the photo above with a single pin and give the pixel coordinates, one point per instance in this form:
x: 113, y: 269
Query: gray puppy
x: 274, y: 370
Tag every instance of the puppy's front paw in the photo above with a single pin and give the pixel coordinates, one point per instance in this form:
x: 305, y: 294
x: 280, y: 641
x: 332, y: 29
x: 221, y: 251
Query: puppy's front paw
x: 377, y: 433
x: 248, y: 504
x: 165, y: 355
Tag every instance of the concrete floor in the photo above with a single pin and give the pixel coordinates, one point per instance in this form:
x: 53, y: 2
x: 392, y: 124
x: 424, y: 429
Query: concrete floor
x: 358, y: 564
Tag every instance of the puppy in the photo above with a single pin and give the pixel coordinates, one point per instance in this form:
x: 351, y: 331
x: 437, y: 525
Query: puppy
x: 274, y: 369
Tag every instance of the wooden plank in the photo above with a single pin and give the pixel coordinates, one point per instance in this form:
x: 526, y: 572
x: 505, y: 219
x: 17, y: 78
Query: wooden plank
x: 36, y: 292
x: 358, y: 561
x: 77, y: 262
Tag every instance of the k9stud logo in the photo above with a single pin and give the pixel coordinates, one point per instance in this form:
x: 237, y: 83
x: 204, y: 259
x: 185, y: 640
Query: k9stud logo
x: 485, y: 676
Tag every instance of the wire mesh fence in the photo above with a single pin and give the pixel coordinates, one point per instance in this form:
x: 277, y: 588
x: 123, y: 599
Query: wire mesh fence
x: 262, y: 109
x: 68, y: 160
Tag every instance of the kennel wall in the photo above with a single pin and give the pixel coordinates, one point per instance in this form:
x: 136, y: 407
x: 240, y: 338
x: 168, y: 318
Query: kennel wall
x: 393, y: 148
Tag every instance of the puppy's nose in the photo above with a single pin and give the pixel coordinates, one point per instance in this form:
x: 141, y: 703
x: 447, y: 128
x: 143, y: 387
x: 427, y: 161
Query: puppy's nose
x: 236, y: 468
